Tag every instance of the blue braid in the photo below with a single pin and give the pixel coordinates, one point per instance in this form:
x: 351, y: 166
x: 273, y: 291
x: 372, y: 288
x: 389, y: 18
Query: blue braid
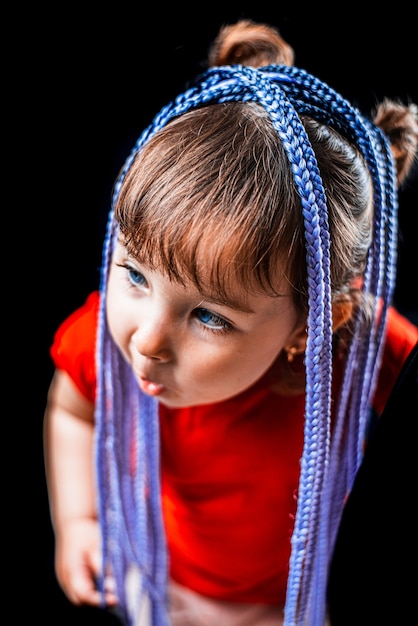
x: 129, y: 477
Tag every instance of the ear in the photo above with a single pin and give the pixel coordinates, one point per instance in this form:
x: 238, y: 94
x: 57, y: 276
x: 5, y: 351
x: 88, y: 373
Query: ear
x: 342, y: 311
x: 296, y: 343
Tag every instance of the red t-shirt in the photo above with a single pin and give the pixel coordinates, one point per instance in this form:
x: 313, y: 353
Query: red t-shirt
x: 230, y: 470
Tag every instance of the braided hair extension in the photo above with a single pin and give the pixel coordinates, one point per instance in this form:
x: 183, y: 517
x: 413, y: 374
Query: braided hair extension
x: 129, y: 478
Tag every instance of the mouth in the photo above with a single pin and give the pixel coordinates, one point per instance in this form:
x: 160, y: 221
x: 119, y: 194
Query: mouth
x: 149, y: 387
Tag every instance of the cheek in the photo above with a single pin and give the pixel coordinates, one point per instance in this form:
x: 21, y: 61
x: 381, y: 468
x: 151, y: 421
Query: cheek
x: 240, y: 366
x: 115, y: 324
x: 256, y: 361
x: 117, y: 316
x: 253, y: 358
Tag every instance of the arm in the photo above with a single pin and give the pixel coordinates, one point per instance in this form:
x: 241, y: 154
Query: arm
x: 68, y: 440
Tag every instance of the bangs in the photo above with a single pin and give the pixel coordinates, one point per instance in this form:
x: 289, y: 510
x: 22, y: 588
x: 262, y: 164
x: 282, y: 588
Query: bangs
x: 210, y: 203
x: 214, y: 257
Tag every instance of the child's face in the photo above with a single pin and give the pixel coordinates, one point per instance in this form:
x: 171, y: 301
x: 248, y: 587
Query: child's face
x: 185, y: 348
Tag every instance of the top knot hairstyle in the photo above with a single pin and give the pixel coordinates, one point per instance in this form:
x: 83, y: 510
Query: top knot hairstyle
x: 130, y: 506
x: 249, y: 43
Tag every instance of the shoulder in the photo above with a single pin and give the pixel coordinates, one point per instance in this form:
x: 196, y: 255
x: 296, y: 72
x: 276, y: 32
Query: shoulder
x: 401, y: 336
x: 74, y: 344
x: 401, y: 333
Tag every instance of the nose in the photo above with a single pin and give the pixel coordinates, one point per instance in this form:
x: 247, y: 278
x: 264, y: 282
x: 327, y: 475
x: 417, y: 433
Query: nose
x: 152, y: 339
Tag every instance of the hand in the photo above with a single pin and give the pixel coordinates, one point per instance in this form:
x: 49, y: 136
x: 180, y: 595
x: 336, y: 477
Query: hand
x: 78, y: 562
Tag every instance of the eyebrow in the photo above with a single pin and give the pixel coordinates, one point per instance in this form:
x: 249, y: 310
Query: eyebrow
x: 237, y: 305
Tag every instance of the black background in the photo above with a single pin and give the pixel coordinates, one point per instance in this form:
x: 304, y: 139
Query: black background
x: 84, y: 84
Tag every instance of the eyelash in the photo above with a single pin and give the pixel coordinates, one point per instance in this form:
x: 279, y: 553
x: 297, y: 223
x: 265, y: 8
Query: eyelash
x: 224, y: 326
x: 130, y: 272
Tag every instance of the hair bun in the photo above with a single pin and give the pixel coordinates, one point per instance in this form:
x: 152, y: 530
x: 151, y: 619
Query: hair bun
x: 249, y: 43
x: 399, y: 122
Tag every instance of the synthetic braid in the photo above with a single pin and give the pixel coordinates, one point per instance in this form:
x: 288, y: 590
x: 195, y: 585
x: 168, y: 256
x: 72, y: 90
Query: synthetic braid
x: 318, y: 101
x: 362, y: 365
x: 318, y: 356
x: 318, y: 353
x: 131, y: 521
x: 129, y: 480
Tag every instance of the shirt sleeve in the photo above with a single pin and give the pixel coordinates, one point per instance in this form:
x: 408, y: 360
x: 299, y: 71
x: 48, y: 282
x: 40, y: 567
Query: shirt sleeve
x: 74, y: 344
x: 401, y: 337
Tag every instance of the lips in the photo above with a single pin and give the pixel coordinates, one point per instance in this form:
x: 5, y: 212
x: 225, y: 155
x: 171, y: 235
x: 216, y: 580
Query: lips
x: 149, y: 387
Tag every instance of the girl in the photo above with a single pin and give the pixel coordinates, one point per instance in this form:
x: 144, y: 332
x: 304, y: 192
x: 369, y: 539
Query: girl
x: 211, y: 401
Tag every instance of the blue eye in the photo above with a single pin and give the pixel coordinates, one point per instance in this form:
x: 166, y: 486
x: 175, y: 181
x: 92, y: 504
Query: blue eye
x: 211, y: 320
x: 136, y: 277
